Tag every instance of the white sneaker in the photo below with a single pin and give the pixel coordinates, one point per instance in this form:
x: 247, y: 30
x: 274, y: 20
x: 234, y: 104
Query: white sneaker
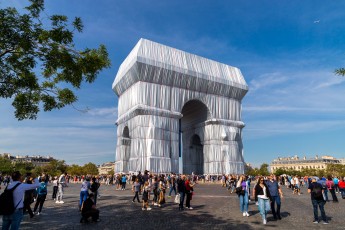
x: 57, y: 202
x: 190, y: 208
x: 38, y: 213
x: 148, y: 209
x: 143, y: 209
x: 247, y: 214
x: 155, y: 204
x: 244, y: 213
x: 264, y: 221
x: 61, y: 202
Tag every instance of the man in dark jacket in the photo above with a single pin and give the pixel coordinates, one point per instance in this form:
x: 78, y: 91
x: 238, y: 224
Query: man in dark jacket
x: 317, y: 199
x: 181, y: 188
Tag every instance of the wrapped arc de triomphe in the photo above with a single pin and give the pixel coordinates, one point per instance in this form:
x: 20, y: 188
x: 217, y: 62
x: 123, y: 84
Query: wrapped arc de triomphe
x: 178, y: 112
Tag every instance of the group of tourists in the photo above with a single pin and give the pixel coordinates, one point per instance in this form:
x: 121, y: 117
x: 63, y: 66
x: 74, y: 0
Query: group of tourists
x: 154, y: 187
x: 150, y: 190
x: 268, y: 193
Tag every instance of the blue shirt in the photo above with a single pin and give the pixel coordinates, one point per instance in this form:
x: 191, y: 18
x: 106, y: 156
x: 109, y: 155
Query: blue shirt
x: 273, y: 187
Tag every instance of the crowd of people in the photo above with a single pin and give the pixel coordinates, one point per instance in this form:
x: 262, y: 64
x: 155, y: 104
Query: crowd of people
x: 150, y: 190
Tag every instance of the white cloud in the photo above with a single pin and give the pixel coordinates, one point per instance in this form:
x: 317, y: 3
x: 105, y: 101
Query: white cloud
x: 266, y: 80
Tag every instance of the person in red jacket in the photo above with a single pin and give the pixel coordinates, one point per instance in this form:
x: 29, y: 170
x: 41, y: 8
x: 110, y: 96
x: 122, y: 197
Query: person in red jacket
x: 341, y: 186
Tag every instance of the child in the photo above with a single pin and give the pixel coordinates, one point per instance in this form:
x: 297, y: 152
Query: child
x: 146, y: 196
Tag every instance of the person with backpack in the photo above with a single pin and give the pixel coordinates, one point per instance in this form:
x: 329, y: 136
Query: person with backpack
x: 41, y: 195
x: 317, y: 199
x: 12, y: 201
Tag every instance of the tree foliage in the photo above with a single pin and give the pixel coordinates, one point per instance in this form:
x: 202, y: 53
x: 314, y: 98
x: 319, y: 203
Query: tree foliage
x: 331, y: 169
x: 90, y: 168
x: 6, y: 166
x: 39, y: 63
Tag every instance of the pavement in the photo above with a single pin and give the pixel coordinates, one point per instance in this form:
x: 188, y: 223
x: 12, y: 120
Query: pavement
x: 214, y: 208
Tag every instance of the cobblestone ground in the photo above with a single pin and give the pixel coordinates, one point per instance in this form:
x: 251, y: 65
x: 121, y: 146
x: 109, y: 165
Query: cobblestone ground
x: 214, y: 208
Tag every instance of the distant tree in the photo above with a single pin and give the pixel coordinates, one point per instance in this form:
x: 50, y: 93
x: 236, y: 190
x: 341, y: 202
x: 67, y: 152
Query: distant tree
x: 263, y: 170
x: 90, y: 168
x: 30, y: 43
x: 6, y: 166
x: 111, y: 172
x: 24, y: 167
x: 75, y: 170
x: 335, y: 169
x: 55, y: 167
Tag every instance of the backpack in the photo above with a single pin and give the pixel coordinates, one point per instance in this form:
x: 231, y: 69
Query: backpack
x: 42, y: 190
x: 317, y: 192
x: 6, y: 201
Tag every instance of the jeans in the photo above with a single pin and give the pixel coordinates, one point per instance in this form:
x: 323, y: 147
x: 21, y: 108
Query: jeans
x: 55, y: 189
x: 275, y: 200
x: 326, y: 194
x: 40, y: 201
x: 136, y: 195
x: 181, y: 200
x: 83, y: 197
x: 12, y: 220
x: 188, y: 199
x: 60, y: 193
x: 320, y: 204
x: 173, y: 188
x: 334, y: 196
x: 264, y: 207
x: 244, y: 202
x: 95, y: 197
x: 342, y: 192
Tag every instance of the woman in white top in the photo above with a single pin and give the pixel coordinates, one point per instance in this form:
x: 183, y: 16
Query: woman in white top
x: 263, y: 196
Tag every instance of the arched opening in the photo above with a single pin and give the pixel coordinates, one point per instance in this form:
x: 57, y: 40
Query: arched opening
x: 126, y: 142
x: 195, y: 113
x: 125, y: 132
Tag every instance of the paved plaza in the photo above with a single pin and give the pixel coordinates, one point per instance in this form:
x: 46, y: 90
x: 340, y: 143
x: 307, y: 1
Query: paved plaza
x: 214, y: 208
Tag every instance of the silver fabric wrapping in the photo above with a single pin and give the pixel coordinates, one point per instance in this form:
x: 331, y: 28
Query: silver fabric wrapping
x: 160, y: 87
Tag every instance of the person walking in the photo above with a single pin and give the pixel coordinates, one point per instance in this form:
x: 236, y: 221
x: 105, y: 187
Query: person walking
x: 317, y: 199
x: 29, y: 197
x: 330, y: 187
x: 189, y: 192
x: 341, y: 185
x: 172, y: 185
x: 61, y: 185
x: 145, y: 198
x: 276, y: 195
x: 242, y: 192
x: 13, y: 220
x: 181, y: 189
x: 84, y: 191
x: 55, y: 187
x: 262, y: 196
x: 41, y: 195
x: 136, y: 189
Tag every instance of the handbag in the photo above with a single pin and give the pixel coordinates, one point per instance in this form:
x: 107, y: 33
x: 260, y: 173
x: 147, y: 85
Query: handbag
x: 177, y: 199
x: 240, y: 191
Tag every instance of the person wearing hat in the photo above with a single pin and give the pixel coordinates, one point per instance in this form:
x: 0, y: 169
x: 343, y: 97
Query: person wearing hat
x: 317, y: 199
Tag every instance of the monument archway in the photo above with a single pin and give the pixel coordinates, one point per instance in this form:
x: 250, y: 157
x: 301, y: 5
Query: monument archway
x: 194, y: 114
x: 166, y: 99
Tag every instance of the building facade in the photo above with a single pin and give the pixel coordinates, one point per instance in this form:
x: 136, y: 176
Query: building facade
x: 178, y: 112
x: 298, y: 164
x: 105, y: 168
x: 35, y: 160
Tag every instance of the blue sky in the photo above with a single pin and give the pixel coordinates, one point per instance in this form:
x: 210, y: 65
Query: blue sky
x: 286, y: 50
